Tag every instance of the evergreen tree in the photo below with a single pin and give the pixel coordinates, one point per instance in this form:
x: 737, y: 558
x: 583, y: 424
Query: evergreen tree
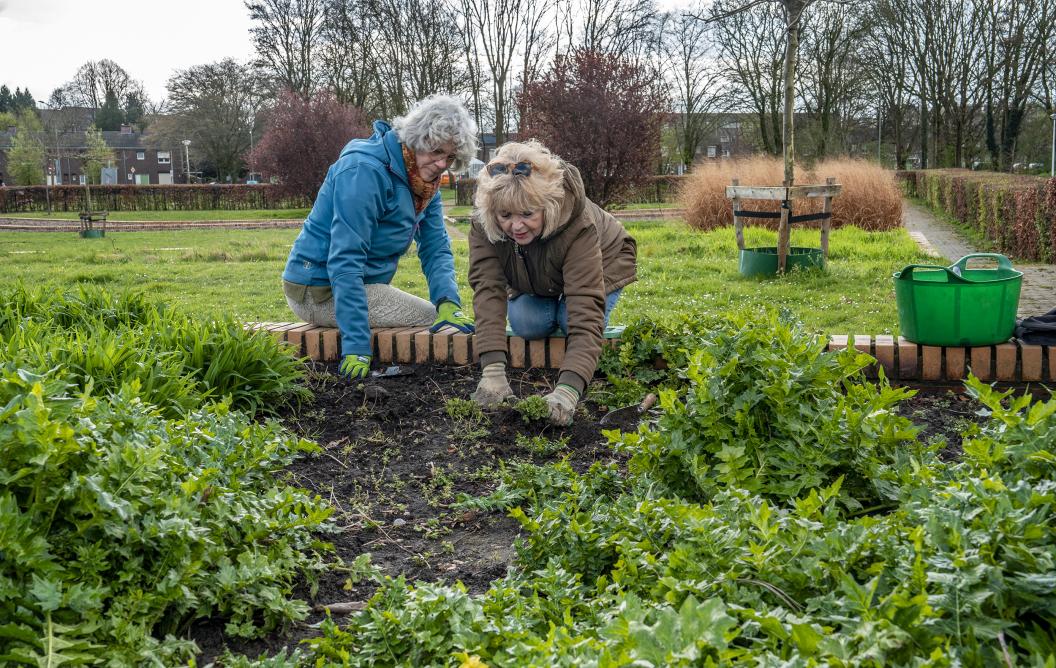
x: 97, y: 155
x: 5, y: 98
x: 109, y: 116
x: 23, y: 100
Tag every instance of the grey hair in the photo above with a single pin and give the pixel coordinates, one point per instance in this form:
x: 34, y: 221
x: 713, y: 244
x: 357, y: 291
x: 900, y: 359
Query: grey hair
x: 436, y: 120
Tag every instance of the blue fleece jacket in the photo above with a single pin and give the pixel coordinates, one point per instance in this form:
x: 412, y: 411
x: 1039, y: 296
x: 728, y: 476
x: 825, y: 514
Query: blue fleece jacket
x: 362, y: 221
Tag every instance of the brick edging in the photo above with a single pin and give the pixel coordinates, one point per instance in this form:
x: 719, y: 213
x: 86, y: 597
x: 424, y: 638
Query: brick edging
x: 901, y: 360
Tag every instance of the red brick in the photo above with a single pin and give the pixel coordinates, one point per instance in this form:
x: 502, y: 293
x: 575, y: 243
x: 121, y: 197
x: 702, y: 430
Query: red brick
x: 907, y: 359
x: 537, y: 353
x: 422, y: 346
x: 460, y: 348
x: 295, y: 337
x: 863, y: 343
x: 837, y: 341
x: 980, y: 362
x: 278, y: 330
x: 331, y: 344
x: 931, y: 366
x: 383, y: 344
x: 1052, y: 362
x: 885, y: 353
x: 1006, y: 361
x: 405, y: 344
x: 1031, y: 356
x: 313, y: 343
x: 517, y: 352
x: 955, y: 363
x: 557, y: 352
x: 442, y: 344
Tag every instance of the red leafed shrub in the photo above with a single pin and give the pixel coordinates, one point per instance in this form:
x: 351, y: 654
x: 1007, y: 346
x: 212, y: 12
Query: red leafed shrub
x: 304, y: 137
x: 602, y: 114
x: 1025, y: 237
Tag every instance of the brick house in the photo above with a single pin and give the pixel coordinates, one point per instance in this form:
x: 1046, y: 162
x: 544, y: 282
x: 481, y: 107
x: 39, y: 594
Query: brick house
x: 64, y: 142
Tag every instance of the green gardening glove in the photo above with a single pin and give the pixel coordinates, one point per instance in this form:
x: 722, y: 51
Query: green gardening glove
x: 450, y: 313
x: 355, y: 366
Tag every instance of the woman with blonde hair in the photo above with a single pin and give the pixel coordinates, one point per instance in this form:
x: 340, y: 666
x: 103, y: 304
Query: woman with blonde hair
x: 544, y: 255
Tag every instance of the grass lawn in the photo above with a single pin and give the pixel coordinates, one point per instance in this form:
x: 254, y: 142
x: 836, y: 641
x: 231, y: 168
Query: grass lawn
x: 237, y: 272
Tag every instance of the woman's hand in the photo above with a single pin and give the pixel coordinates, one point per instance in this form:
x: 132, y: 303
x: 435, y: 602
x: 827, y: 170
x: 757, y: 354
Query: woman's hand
x: 493, y: 388
x: 450, y: 313
x: 562, y: 402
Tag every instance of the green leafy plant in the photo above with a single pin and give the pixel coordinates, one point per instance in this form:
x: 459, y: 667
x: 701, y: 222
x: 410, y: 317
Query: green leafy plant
x: 541, y: 445
x: 533, y: 408
x: 466, y: 410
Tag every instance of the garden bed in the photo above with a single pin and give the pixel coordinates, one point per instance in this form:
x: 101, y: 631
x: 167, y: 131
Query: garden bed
x: 395, y: 463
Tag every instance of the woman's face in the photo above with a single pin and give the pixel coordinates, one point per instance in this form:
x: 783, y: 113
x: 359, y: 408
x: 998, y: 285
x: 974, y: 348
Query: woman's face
x: 432, y: 163
x: 521, y: 226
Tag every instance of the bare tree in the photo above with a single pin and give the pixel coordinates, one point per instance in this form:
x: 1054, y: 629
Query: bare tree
x: 94, y: 80
x: 215, y: 106
x: 887, y: 66
x: 347, y: 55
x: 1017, y: 31
x: 698, y: 84
x: 833, y: 78
x: 622, y: 28
x: 499, y: 32
x: 751, y: 52
x: 286, y: 34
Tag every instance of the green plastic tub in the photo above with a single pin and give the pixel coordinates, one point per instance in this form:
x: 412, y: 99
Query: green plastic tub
x: 762, y: 261
x: 92, y: 234
x: 958, y: 305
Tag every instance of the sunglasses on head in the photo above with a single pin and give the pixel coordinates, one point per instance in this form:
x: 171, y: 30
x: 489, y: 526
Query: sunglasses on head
x: 518, y: 169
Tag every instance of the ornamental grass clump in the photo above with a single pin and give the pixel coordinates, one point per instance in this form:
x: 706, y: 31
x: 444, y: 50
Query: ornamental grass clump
x: 107, y: 341
x: 767, y: 410
x: 870, y: 199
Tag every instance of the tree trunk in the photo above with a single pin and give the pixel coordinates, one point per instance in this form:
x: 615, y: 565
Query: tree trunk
x: 794, y: 10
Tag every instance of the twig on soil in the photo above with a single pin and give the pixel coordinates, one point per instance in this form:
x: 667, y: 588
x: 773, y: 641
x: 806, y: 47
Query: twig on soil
x: 377, y: 525
x: 342, y: 608
x: 343, y: 465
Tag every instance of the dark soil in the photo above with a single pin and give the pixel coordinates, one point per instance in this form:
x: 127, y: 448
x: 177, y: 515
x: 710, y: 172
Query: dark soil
x: 394, y: 463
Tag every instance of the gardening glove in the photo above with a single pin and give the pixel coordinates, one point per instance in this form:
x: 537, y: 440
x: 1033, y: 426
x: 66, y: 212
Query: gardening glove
x: 562, y: 402
x: 450, y: 313
x: 493, y: 388
x: 355, y: 366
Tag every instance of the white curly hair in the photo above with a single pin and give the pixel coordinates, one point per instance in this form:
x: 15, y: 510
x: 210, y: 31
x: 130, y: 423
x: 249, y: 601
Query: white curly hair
x: 437, y: 120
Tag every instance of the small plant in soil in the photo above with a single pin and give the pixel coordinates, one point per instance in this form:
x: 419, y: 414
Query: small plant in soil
x: 532, y: 409
x: 466, y: 410
x: 541, y: 445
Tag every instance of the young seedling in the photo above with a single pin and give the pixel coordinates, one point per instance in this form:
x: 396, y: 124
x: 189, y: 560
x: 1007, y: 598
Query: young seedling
x: 533, y: 408
x: 465, y: 410
x: 541, y: 445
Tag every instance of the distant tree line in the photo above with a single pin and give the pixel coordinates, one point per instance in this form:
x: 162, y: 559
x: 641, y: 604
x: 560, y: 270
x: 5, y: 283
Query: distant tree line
x: 932, y: 83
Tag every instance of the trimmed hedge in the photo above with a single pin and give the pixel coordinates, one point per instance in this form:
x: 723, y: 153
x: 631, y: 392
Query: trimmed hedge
x: 150, y: 198
x: 1016, y: 213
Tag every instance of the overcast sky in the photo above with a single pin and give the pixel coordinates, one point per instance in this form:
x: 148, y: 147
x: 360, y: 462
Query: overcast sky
x: 43, y: 42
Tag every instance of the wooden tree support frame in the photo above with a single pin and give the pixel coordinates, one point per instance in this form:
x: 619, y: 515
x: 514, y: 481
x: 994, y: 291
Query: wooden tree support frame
x: 786, y: 195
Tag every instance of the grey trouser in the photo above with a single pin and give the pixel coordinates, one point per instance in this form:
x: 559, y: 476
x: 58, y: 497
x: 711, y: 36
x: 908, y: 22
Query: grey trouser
x: 386, y: 306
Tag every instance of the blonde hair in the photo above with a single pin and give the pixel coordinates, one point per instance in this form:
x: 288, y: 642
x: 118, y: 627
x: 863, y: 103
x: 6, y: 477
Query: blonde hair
x: 543, y: 189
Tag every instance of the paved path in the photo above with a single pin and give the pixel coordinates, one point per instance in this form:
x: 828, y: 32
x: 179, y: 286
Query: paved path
x: 941, y: 239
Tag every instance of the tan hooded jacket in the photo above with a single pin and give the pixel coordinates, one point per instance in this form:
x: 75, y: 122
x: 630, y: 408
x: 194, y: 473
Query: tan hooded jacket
x: 584, y: 255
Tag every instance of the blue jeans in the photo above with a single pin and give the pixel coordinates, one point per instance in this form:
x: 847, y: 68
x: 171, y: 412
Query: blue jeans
x: 533, y: 317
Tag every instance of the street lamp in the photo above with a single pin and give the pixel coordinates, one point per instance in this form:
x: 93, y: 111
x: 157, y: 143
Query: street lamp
x: 187, y: 157
x: 1052, y: 164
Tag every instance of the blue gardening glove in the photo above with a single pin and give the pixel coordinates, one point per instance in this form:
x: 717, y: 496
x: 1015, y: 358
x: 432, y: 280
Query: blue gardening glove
x: 562, y: 402
x: 355, y: 366
x: 450, y: 313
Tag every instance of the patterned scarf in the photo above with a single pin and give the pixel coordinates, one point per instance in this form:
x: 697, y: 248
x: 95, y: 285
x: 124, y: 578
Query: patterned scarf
x: 421, y: 190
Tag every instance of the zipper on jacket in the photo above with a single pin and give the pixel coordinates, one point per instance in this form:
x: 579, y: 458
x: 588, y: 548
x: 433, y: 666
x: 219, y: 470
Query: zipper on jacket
x: 520, y: 253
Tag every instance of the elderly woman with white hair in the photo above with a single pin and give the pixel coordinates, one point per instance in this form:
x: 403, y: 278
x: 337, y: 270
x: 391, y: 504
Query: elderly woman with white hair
x: 547, y: 257
x: 381, y: 194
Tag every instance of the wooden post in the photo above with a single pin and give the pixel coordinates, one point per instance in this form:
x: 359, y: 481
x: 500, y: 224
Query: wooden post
x: 738, y: 224
x: 783, y: 235
x: 826, y: 208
